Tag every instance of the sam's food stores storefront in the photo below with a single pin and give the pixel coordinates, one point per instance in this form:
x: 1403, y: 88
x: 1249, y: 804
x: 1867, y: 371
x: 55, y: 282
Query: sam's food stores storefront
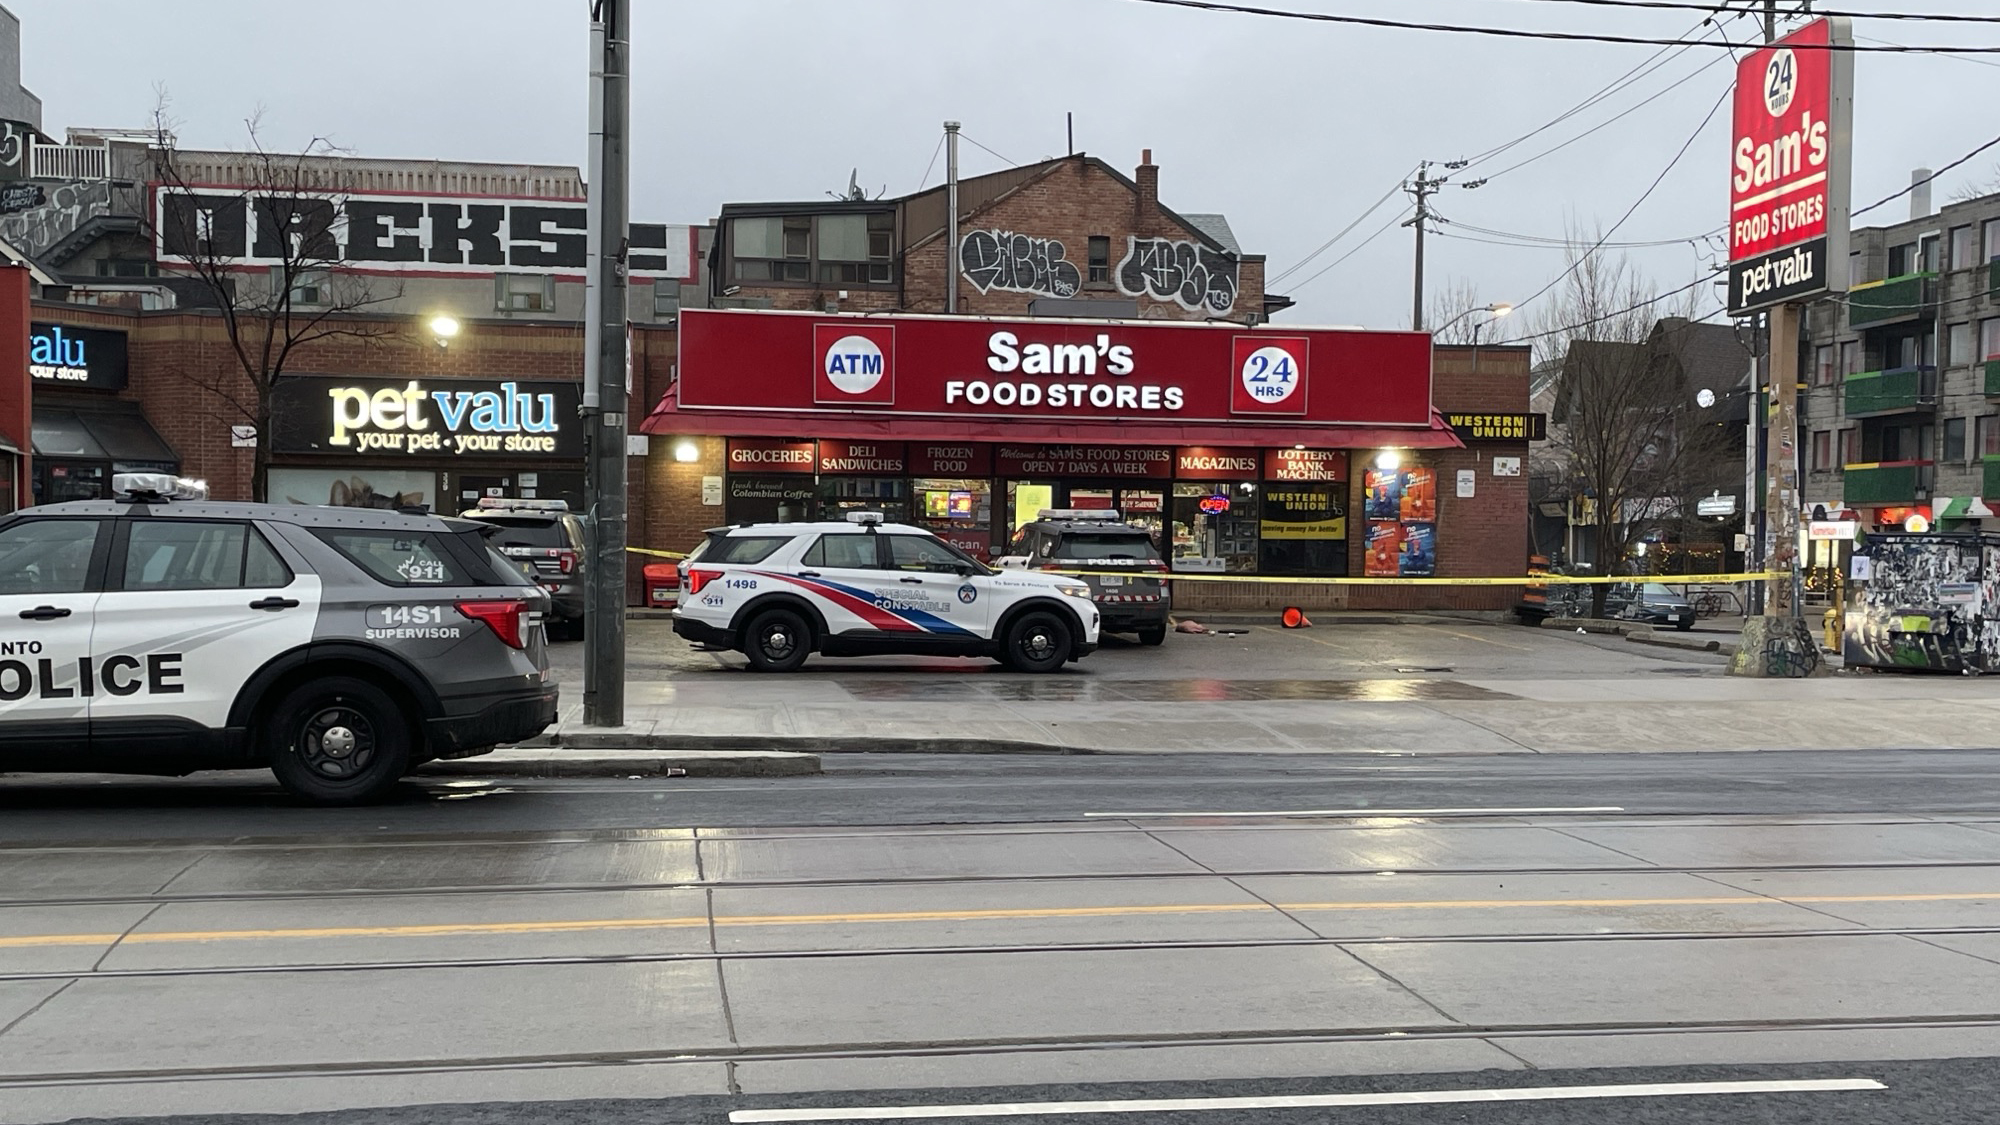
x: 1268, y: 453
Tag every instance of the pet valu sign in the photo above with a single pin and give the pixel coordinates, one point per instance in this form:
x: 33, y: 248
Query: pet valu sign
x: 427, y: 417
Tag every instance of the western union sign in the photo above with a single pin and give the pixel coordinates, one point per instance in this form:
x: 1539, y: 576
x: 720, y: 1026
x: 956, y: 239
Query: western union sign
x: 1499, y: 427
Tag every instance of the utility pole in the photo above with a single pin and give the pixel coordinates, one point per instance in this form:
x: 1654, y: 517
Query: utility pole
x: 951, y: 216
x: 1423, y: 187
x: 605, y: 389
x: 1781, y: 501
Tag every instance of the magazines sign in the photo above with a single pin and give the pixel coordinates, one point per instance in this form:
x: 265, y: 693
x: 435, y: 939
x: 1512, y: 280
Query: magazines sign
x: 1788, y: 176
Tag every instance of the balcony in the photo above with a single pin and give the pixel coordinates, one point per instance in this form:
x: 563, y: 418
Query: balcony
x: 1887, y: 482
x: 1895, y: 391
x: 1912, y: 296
x: 69, y: 162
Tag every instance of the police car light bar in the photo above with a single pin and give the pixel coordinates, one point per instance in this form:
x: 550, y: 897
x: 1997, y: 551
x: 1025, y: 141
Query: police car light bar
x: 1078, y: 514
x: 506, y: 504
x: 157, y: 486
x: 864, y: 518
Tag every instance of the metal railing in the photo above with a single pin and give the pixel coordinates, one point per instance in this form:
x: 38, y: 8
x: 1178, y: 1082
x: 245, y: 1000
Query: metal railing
x: 69, y: 162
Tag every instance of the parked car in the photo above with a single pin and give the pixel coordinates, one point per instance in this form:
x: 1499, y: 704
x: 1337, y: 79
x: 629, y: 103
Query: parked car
x: 1649, y: 602
x: 546, y: 542
x: 1124, y: 570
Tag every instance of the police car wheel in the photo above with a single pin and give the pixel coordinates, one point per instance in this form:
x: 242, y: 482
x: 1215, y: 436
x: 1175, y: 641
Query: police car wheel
x: 1153, y: 635
x: 1038, y: 642
x: 777, y: 640
x: 338, y: 740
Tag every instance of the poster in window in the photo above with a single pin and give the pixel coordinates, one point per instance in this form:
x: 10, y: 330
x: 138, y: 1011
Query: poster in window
x: 1419, y: 557
x: 1419, y: 495
x: 1385, y: 549
x: 1385, y: 495
x: 1302, y: 512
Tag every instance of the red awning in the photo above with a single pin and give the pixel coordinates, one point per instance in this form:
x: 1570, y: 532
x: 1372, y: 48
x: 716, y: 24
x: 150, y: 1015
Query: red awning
x: 668, y: 418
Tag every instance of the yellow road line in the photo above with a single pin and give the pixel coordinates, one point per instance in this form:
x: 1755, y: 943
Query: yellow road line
x: 584, y: 925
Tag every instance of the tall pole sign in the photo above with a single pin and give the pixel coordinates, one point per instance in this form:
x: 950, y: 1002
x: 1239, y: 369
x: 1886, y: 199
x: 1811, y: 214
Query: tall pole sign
x: 1788, y: 225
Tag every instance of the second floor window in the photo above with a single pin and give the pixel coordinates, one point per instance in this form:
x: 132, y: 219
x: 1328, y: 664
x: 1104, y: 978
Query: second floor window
x: 772, y: 248
x: 1850, y: 446
x: 1954, y: 439
x: 1987, y: 432
x: 1963, y: 248
x: 1958, y: 345
x: 1989, y: 235
x: 310, y: 288
x: 1822, y: 450
x: 1902, y: 259
x: 524, y: 292
x: 1989, y: 338
x: 1850, y: 357
x: 1100, y: 258
x: 856, y: 248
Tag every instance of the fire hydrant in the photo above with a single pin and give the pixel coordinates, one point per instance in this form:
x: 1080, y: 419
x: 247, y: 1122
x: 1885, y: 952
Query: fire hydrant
x: 1830, y: 623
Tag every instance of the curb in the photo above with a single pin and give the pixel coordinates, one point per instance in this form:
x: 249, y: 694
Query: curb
x: 1592, y: 625
x: 588, y: 742
x: 628, y: 763
x: 1726, y: 648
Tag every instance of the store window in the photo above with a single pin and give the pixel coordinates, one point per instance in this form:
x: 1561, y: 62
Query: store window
x: 841, y: 495
x: 1215, y: 527
x: 772, y: 499
x: 1303, y: 529
x: 1400, y: 505
x: 958, y: 510
x: 354, y: 488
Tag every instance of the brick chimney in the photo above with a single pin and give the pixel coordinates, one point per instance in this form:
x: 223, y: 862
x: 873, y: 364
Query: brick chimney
x: 1146, y: 208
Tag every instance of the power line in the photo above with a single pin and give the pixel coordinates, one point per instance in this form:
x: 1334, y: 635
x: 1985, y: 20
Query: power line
x: 1960, y: 58
x: 1650, y: 188
x: 932, y: 164
x: 1634, y: 108
x: 1892, y: 197
x: 1647, y: 303
x: 1688, y: 6
x: 1358, y: 220
x: 1379, y: 232
x: 1546, y: 239
x: 1556, y: 36
x: 990, y: 152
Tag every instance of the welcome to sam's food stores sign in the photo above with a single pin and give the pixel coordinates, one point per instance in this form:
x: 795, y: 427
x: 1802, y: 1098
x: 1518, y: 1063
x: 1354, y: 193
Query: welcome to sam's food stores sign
x: 1052, y: 370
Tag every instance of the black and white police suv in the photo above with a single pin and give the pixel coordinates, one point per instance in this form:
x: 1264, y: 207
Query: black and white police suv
x: 779, y: 591
x: 161, y: 633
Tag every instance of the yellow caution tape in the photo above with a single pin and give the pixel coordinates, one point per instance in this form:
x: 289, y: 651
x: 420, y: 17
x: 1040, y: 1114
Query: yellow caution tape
x: 1526, y: 580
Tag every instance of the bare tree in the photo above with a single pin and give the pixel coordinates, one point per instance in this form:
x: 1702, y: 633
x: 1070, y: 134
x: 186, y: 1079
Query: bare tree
x: 268, y: 253
x: 1452, y: 314
x: 1633, y: 447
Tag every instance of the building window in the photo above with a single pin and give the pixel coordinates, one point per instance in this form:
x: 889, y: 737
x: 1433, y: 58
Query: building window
x: 1850, y: 446
x: 1930, y: 253
x: 125, y: 267
x: 1958, y: 344
x: 1850, y: 357
x: 1822, y: 450
x: 772, y: 248
x: 1823, y: 365
x: 1962, y: 247
x: 1954, y: 439
x: 1989, y: 234
x: 1987, y: 433
x: 524, y: 292
x: 1989, y: 338
x: 1100, y: 257
x: 666, y: 298
x: 309, y: 287
x: 857, y: 248
x: 1902, y: 259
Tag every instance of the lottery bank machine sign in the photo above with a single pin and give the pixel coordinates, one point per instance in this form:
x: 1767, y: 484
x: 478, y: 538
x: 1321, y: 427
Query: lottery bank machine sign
x: 1788, y: 176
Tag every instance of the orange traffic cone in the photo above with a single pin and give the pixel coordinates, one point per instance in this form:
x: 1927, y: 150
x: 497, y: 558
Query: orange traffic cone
x: 1295, y: 618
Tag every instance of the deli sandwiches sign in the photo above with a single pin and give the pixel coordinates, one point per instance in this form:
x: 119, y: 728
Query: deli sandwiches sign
x: 1788, y: 179
x: 391, y: 418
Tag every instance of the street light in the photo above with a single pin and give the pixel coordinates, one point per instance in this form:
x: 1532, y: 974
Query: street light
x: 1494, y: 312
x: 443, y: 328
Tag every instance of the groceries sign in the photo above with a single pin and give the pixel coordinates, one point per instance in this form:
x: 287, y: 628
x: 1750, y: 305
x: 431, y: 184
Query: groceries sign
x: 1050, y: 369
x: 1788, y: 174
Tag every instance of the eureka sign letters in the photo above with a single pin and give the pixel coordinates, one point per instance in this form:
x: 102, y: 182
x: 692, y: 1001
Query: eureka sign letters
x: 1050, y: 369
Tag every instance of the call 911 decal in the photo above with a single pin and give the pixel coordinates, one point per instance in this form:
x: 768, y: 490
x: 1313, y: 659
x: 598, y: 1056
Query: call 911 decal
x: 414, y: 623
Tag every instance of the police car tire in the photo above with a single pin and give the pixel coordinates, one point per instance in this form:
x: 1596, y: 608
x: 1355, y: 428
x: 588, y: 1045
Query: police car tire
x: 1153, y: 635
x: 793, y: 625
x: 312, y: 714
x: 1023, y: 654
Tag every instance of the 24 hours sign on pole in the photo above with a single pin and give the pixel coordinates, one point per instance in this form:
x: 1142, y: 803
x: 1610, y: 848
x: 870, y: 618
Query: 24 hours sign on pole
x: 1788, y: 177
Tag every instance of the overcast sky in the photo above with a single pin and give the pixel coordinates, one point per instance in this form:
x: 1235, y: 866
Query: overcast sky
x: 1290, y: 129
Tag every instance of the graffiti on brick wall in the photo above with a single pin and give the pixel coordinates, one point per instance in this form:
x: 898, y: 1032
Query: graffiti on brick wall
x: 1187, y: 273
x: 1018, y: 263
x: 69, y: 206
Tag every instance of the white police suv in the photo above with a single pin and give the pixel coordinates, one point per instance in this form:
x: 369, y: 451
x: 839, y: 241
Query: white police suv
x: 779, y: 591
x: 161, y: 633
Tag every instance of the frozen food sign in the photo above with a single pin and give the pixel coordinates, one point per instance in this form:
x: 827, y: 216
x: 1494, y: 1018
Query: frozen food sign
x: 418, y: 417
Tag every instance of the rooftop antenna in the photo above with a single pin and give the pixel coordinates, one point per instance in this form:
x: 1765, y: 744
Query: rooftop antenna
x: 1069, y: 130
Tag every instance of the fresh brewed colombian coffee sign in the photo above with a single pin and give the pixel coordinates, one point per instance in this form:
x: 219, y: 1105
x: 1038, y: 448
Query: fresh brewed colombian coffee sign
x: 1788, y: 178
x: 427, y: 417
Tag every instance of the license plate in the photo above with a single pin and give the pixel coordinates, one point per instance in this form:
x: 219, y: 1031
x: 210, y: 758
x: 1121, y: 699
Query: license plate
x: 1113, y: 580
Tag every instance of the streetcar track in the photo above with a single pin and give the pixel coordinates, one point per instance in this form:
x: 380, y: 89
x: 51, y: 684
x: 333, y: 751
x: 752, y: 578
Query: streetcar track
x: 987, y: 1046
x: 346, y: 893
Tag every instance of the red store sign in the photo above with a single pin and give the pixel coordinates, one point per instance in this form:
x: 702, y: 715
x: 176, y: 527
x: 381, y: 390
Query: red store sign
x: 770, y: 455
x: 1083, y: 461
x: 860, y: 366
x: 953, y: 460
x: 1305, y: 464
x: 861, y: 458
